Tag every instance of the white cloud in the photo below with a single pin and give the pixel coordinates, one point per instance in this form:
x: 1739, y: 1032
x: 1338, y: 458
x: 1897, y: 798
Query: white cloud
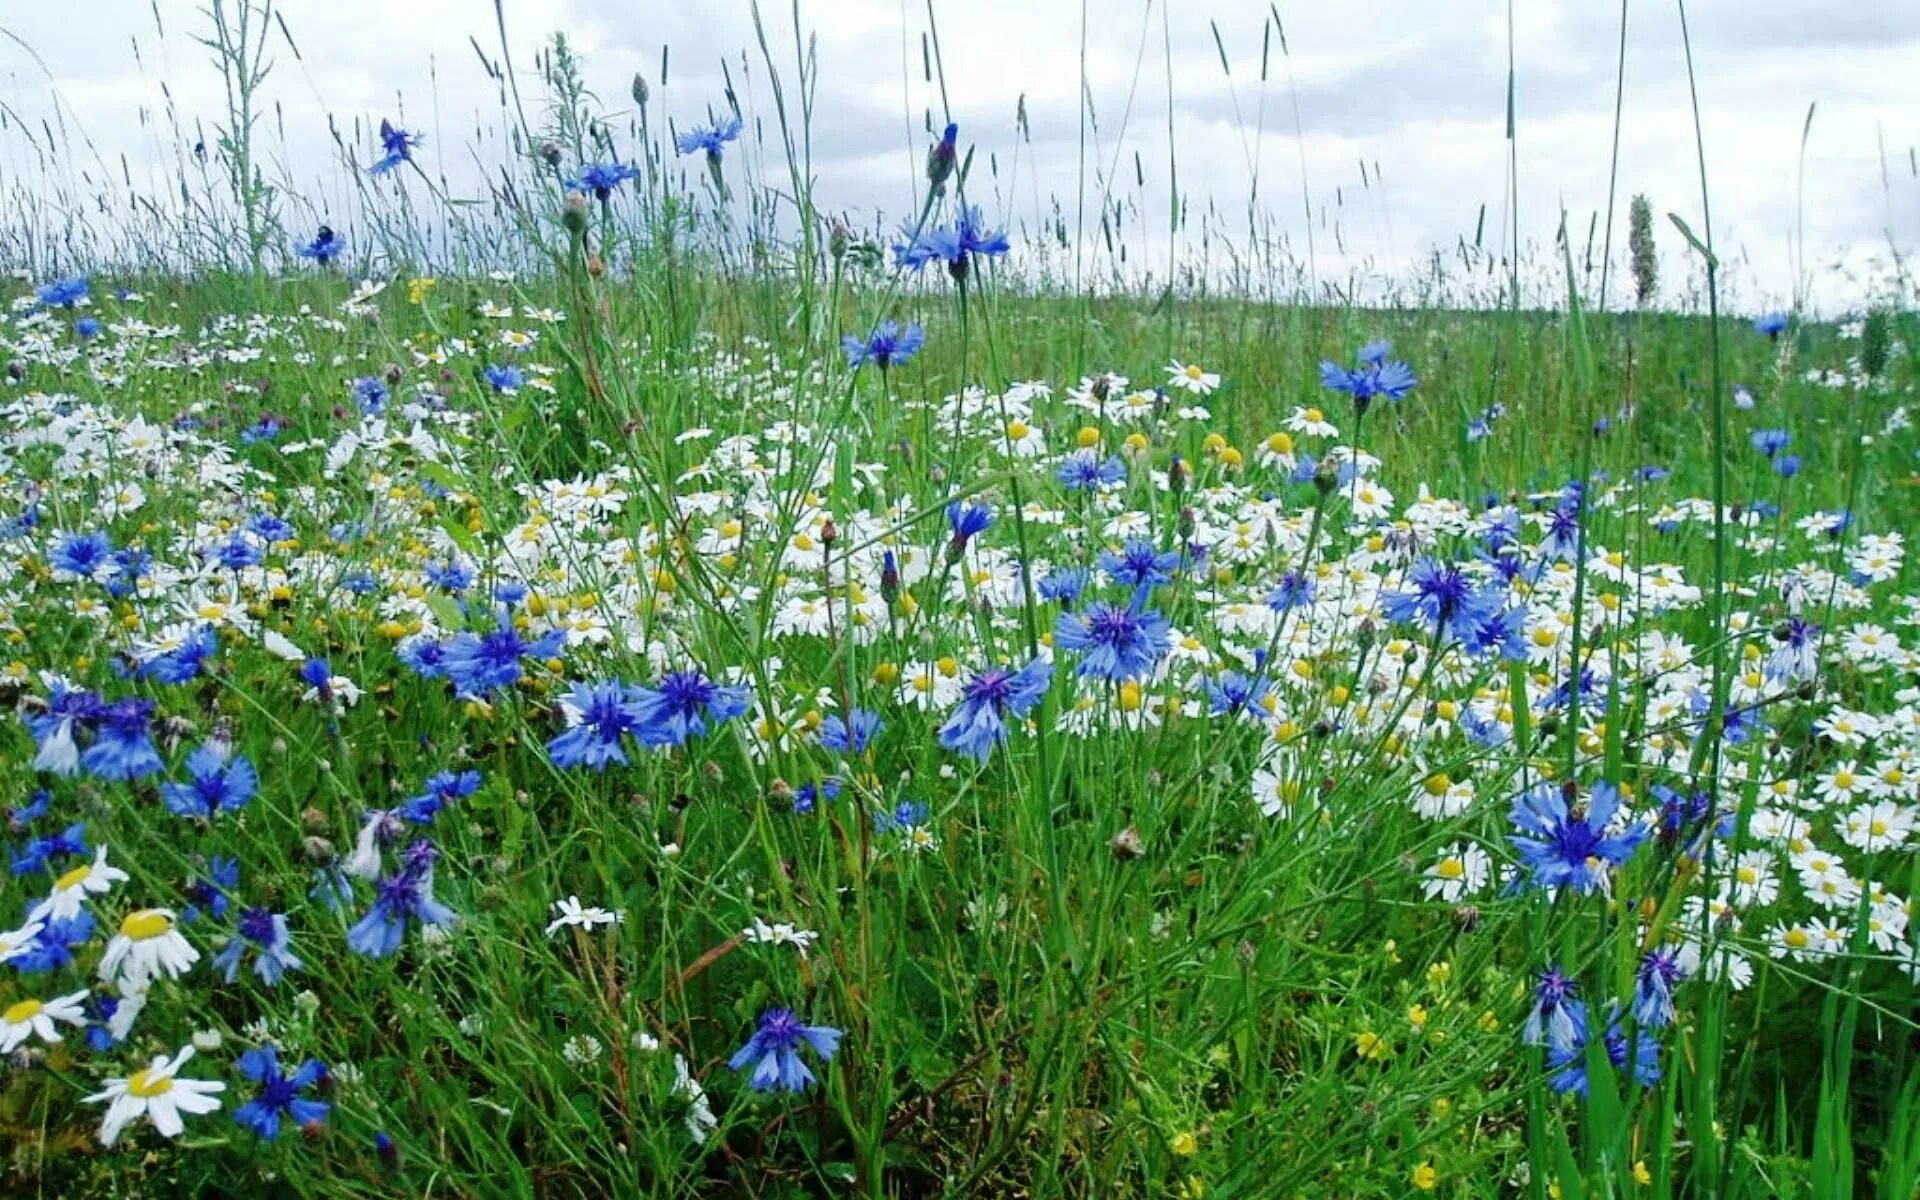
x: 1417, y: 89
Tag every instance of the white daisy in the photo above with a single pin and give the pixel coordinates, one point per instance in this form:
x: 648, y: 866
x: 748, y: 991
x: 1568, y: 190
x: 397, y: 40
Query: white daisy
x: 71, y: 890
x: 147, y: 945
x: 37, y: 1017
x: 157, y: 1093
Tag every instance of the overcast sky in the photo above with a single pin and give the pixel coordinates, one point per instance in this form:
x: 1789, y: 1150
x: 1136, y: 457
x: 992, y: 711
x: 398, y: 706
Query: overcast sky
x: 1417, y: 87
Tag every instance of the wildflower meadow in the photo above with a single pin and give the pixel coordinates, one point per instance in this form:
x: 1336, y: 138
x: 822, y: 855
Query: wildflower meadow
x: 621, y: 681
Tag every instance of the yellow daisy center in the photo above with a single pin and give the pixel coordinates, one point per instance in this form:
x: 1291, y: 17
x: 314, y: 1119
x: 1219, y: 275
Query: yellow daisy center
x: 145, y: 1084
x: 145, y: 924
x: 21, y: 1012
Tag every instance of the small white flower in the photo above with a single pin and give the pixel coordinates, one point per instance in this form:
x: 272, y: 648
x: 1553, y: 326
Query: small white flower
x: 573, y: 914
x: 581, y: 1050
x: 700, y: 1118
x: 780, y: 934
x: 1461, y: 871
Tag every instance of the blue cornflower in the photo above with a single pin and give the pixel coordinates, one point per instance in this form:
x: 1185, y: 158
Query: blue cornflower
x: 1559, y: 1017
x: 1660, y: 972
x: 808, y: 795
x: 185, y: 661
x: 1562, y: 540
x: 480, y: 663
x: 1084, y: 471
x: 851, y: 734
x: 904, y: 818
x: 1443, y: 600
x: 1374, y: 375
x: 403, y: 897
x: 1787, y: 466
x: 43, y: 853
x: 1562, y: 848
x: 218, y: 782
x: 266, y: 429
x: 887, y: 346
x: 63, y: 293
x: 1293, y: 590
x: 280, y: 1093
x: 264, y: 932
x: 237, y: 553
x: 20, y: 816
x: 82, y: 556
x: 1772, y: 324
x: 506, y: 380
x: 956, y: 245
x: 1796, y: 651
x: 88, y: 328
x: 967, y: 521
x: 712, y: 139
x: 1643, y: 1053
x: 442, y: 790
x: 52, y: 948
x: 1234, y: 693
x: 324, y: 248
x: 978, y: 723
x: 1065, y: 585
x: 1770, y: 441
x: 1139, y: 564
x: 774, y: 1051
x: 599, y: 716
x: 449, y: 575
x: 68, y: 710
x: 396, y: 147
x: 213, y: 891
x: 681, y: 704
x: 602, y: 178
x: 426, y: 657
x: 1498, y: 629
x: 1115, y: 643
x: 370, y: 395
x: 271, y: 527
x: 123, y: 746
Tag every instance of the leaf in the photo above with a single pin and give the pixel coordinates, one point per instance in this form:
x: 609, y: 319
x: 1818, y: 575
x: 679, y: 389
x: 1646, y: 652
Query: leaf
x: 1686, y: 231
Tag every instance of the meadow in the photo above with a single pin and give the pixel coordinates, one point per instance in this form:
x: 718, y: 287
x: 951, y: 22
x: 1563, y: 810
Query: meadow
x: 718, y: 707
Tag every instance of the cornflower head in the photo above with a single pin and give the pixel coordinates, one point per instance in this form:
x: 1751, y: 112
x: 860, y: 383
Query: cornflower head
x: 324, y: 248
x: 1373, y: 375
x: 1572, y: 847
x: 217, y: 781
x: 1115, y: 643
x: 1641, y: 1053
x: 887, y: 346
x: 979, y: 722
x: 263, y: 933
x: 403, y: 898
x: 280, y: 1096
x: 599, y: 716
x: 679, y: 707
x: 396, y: 147
x: 773, y: 1051
x: 602, y: 179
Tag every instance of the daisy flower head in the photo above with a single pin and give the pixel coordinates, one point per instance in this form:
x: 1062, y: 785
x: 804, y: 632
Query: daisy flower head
x: 38, y: 1018
x: 158, y: 1093
x: 71, y: 890
x: 1191, y: 377
x: 149, y: 944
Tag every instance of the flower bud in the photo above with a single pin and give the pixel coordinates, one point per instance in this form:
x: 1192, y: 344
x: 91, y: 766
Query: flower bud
x: 639, y: 89
x: 573, y: 213
x: 941, y: 156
